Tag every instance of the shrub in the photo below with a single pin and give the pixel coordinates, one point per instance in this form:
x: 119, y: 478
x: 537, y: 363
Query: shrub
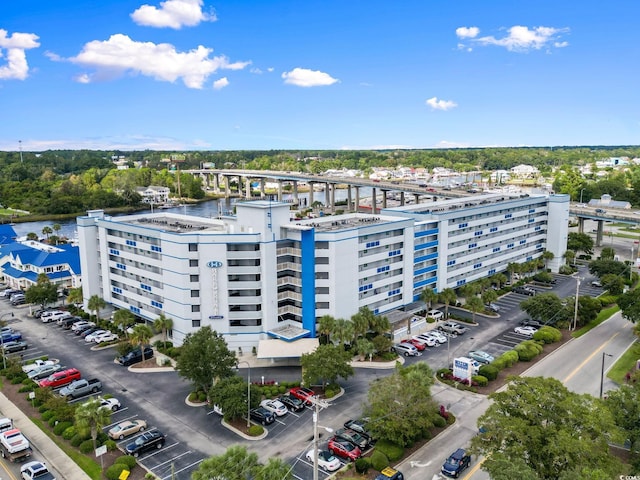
x: 86, y: 446
x: 202, y: 396
x: 490, y: 372
x: 547, y: 335
x: 451, y: 419
x: 25, y: 389
x: 111, y: 445
x: 444, y: 372
x: 255, y: 430
x: 363, y: 465
x: 115, y: 470
x: 379, y: 460
x: 60, y: 428
x: 481, y: 380
x: 46, y: 416
x: 53, y: 421
x: 392, y: 451
x: 69, y: 433
x: 500, y: 363
x: 76, y: 440
x: 282, y: 389
x: 439, y: 421
x: 607, y: 300
x: 332, y: 390
x: 527, y: 350
x: 510, y: 357
x: 127, y: 460
x: 42, y: 408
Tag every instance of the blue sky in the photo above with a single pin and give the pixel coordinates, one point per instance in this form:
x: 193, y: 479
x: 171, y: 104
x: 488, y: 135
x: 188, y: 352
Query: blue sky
x: 260, y: 75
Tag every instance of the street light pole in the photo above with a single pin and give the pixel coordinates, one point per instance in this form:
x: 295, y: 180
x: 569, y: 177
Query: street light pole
x: 581, y: 195
x: 575, y: 310
x: 316, y: 412
x: 248, y: 391
x: 602, y: 372
x: 4, y: 357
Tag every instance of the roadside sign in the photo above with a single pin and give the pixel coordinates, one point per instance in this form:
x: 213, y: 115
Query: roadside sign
x: 101, y: 450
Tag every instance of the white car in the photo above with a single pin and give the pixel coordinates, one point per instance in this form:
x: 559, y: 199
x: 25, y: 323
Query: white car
x: 439, y: 337
x: 327, y: 461
x: 112, y: 404
x: 275, y: 406
x: 36, y: 364
x: 81, y: 324
x: 526, y: 331
x: 50, y: 316
x: 426, y: 340
x: 35, y: 471
x: 435, y: 314
x: 105, y: 337
x: 92, y: 336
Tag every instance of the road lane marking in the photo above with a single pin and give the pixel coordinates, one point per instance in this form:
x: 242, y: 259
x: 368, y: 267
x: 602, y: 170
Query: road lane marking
x: 586, y: 360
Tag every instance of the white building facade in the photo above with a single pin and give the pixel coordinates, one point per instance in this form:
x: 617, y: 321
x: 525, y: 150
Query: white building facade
x: 258, y: 275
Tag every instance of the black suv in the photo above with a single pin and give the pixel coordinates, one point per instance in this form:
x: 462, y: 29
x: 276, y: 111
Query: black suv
x: 145, y: 442
x: 531, y: 323
x: 135, y: 356
x: 293, y: 403
x: 262, y: 415
x: 456, y: 463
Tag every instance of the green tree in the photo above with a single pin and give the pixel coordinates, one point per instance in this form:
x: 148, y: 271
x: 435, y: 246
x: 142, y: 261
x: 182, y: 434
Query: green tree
x: 75, y: 296
x: 570, y: 257
x: 475, y: 305
x: 613, y: 283
x: 230, y: 394
x: 629, y: 304
x: 513, y: 268
x: 545, y: 307
x: 342, y: 331
x: 47, y: 231
x: 360, y: 324
x: 607, y: 253
x: 498, y: 280
x: 326, y: 326
x: 95, y: 304
x: 205, y: 358
x: 32, y: 236
x: 428, y: 296
x: 404, y: 418
x: 447, y: 297
x: 624, y: 405
x: 489, y: 296
x: 122, y: 319
x: 140, y: 336
x: 163, y: 324
x: 580, y: 242
x: 90, y: 417
x: 235, y: 464
x: 603, y: 267
x: 547, y: 256
x: 539, y: 421
x: 325, y: 365
x: 43, y: 292
x: 365, y: 348
x: 274, y: 469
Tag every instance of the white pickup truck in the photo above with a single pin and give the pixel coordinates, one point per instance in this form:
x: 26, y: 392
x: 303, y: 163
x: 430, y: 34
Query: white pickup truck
x: 14, y: 445
x: 38, y: 363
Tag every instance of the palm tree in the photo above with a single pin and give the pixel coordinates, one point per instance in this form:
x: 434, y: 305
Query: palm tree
x: 326, y: 326
x: 447, y: 296
x: 274, y: 469
x: 474, y: 304
x: 428, y: 296
x: 343, y: 331
x: 122, y: 319
x: 56, y: 228
x: 92, y: 416
x: 499, y: 279
x: 163, y: 324
x: 75, y: 295
x: 47, y: 231
x: 365, y: 348
x: 378, y: 323
x: 511, y: 269
x: 570, y: 257
x: 95, y: 304
x: 141, y: 335
x: 360, y: 325
x: 32, y: 236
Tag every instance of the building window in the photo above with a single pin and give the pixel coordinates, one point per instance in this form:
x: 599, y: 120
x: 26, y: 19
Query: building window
x: 193, y: 247
x: 195, y: 293
x: 194, y: 278
x: 195, y: 308
x: 195, y: 323
x: 193, y: 263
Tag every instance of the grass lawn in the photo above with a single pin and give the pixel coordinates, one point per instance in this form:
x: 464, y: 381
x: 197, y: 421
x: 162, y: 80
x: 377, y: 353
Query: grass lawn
x: 626, y: 363
x: 602, y: 316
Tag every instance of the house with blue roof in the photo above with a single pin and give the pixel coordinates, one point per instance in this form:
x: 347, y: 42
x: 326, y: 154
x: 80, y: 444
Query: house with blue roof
x: 21, y: 262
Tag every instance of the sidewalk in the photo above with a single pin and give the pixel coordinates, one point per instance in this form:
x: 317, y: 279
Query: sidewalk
x: 41, y: 443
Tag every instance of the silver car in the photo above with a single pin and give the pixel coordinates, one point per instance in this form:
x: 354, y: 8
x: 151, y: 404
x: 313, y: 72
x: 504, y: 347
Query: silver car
x: 406, y: 349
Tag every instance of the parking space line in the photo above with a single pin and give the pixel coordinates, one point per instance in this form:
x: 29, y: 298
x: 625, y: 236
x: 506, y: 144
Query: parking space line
x: 183, y: 469
x: 119, y: 421
x: 160, y: 450
x: 172, y: 459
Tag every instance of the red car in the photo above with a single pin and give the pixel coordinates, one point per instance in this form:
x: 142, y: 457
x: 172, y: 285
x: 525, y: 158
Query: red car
x: 416, y: 343
x: 305, y: 394
x: 343, y: 448
x: 60, y: 378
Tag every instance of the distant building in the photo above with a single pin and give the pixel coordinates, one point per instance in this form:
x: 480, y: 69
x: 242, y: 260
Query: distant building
x: 524, y: 171
x: 606, y: 201
x: 154, y: 194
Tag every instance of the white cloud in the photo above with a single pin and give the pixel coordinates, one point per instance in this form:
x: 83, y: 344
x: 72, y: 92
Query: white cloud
x: 16, y: 67
x: 173, y: 14
x: 467, y: 32
x: 303, y: 77
x: 83, y: 78
x: 522, y: 39
x: 436, y: 104
x: 161, y: 61
x: 220, y: 83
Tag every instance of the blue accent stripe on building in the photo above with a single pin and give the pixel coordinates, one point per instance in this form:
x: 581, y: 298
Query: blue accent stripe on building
x: 426, y: 270
x: 431, y: 256
x: 433, y: 231
x: 428, y: 281
x: 307, y: 248
x: 422, y: 246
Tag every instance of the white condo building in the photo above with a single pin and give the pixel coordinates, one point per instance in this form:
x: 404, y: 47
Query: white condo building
x: 262, y: 280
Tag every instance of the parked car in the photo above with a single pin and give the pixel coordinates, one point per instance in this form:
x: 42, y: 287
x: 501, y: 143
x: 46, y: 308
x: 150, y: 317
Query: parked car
x: 18, y: 299
x: 389, y: 473
x: 452, y: 328
x: 524, y: 290
x: 60, y: 378
x: 435, y: 314
x: 419, y: 344
x: 135, y: 356
x: 327, y: 461
x: 531, y: 323
x: 68, y: 323
x: 354, y: 437
x: 481, y: 356
x: 457, y: 462
x: 55, y: 316
x: 145, y: 442
x: 126, y: 428
x: 344, y: 449
x: 439, y: 337
x: 112, y: 404
x: 405, y: 349
x: 35, y: 471
x: 43, y: 372
x: 596, y: 283
x: 426, y: 340
x: 12, y: 347
x: 526, y: 331
x: 80, y: 330
x: 275, y: 406
x: 294, y: 404
x: 105, y: 337
x: 359, y: 426
x: 492, y: 307
x: 262, y: 415
x: 305, y: 394
x: 91, y: 336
